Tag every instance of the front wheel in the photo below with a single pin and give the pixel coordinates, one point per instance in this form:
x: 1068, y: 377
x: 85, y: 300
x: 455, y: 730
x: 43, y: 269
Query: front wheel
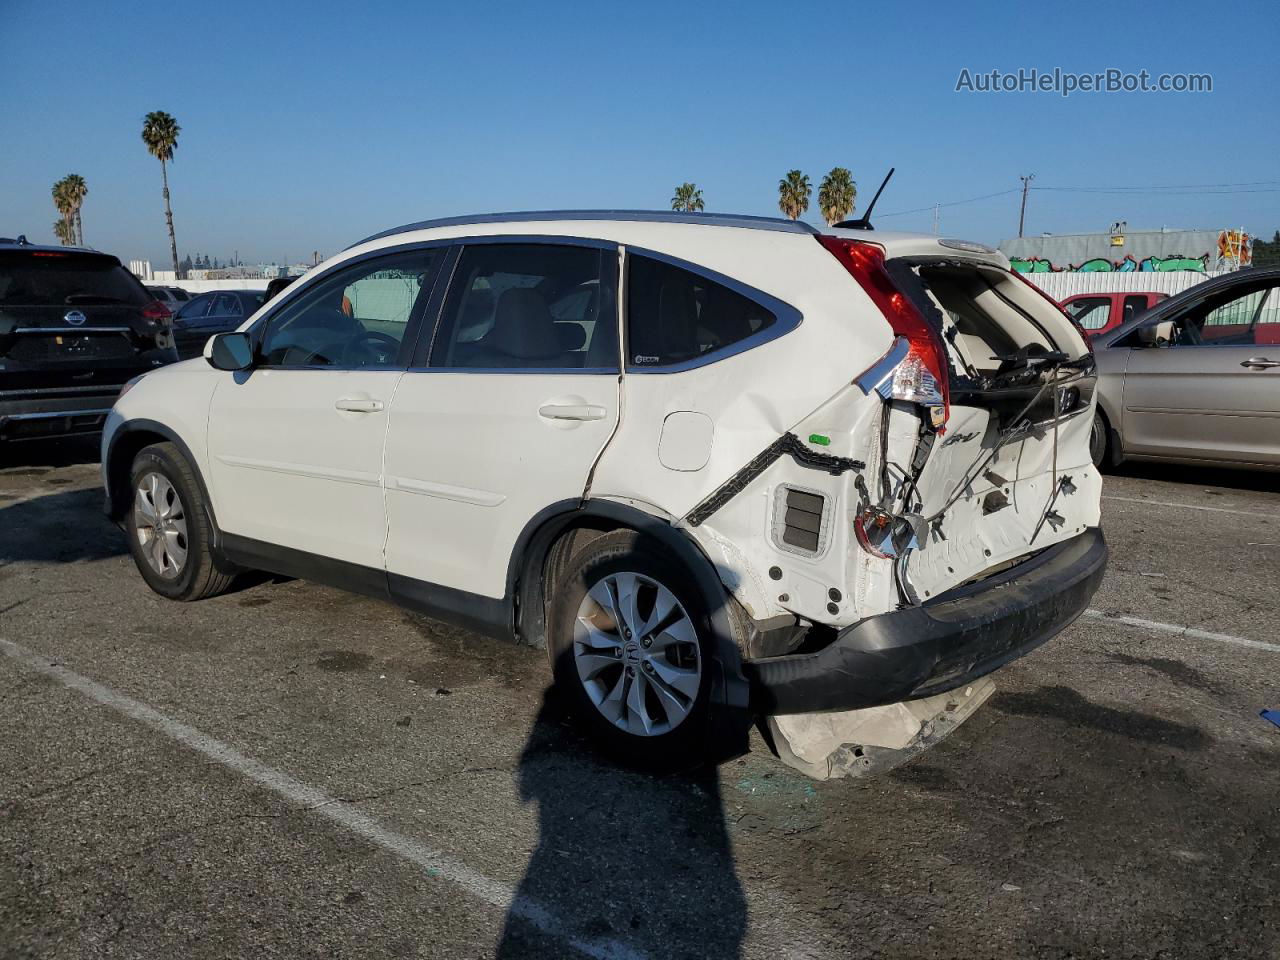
x: 168, y: 528
x: 630, y: 643
x: 1098, y: 441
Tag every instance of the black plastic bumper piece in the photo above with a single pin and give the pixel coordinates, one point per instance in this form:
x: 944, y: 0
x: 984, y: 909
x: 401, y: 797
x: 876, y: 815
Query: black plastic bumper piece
x: 955, y: 638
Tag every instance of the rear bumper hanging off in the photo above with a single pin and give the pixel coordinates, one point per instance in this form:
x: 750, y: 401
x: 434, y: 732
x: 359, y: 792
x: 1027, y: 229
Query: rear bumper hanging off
x: 951, y: 640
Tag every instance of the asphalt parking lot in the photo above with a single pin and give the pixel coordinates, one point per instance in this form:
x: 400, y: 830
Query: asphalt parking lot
x: 289, y: 771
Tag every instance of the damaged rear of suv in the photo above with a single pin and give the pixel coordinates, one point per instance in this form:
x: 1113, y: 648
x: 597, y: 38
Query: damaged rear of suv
x: 967, y: 489
x: 719, y: 466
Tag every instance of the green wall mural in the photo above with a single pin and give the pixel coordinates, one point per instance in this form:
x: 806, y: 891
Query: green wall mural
x: 1103, y: 265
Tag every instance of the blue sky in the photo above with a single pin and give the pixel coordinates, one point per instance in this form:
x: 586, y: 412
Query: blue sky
x: 308, y: 126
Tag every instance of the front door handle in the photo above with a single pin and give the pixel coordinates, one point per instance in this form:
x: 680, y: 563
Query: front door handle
x: 572, y: 411
x: 358, y: 405
x: 1260, y: 363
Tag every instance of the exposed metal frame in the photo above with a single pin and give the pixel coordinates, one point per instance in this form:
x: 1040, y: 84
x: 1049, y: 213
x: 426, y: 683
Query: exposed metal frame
x: 743, y: 221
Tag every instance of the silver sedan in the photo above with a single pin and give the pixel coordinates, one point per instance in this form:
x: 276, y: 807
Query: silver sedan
x: 1196, y: 379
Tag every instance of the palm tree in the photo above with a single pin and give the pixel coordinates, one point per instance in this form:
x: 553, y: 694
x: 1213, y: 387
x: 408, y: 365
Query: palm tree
x: 160, y: 134
x: 688, y: 198
x: 64, y: 230
x: 77, y: 190
x: 836, y: 195
x: 793, y: 194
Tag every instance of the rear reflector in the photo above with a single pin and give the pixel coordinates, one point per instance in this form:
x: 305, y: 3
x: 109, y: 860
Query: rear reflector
x: 921, y: 375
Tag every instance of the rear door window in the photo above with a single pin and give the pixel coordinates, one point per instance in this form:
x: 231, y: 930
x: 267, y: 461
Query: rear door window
x: 59, y: 279
x: 195, y: 308
x: 1134, y: 306
x: 225, y: 305
x: 530, y: 306
x: 675, y: 316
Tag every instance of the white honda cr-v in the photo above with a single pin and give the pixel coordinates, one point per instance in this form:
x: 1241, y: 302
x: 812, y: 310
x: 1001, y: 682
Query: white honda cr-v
x: 719, y: 466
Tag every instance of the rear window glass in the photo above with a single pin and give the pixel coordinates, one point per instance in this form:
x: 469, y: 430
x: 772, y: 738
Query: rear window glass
x: 58, y: 280
x: 674, y: 315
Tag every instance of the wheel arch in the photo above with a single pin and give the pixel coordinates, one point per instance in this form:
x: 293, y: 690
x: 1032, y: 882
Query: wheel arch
x: 130, y: 438
x: 531, y: 565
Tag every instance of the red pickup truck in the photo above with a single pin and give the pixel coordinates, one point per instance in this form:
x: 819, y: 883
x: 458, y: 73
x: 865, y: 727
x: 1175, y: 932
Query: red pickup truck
x: 1097, y: 313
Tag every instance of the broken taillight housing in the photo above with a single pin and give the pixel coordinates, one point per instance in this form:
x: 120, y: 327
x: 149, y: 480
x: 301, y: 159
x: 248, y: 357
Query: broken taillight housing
x: 915, y: 369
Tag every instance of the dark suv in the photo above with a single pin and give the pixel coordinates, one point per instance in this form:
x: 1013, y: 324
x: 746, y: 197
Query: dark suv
x: 75, y: 325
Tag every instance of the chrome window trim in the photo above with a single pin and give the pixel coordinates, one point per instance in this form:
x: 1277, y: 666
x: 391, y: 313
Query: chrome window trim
x: 49, y: 415
x: 787, y: 317
x: 63, y: 331
x: 594, y: 371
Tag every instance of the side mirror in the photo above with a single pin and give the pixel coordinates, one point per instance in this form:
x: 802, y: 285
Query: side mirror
x: 229, y: 351
x: 1156, y: 334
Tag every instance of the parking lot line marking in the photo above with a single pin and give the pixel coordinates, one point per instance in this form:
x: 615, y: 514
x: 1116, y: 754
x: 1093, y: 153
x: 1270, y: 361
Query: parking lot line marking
x: 435, y: 864
x: 1191, y: 506
x: 1182, y: 631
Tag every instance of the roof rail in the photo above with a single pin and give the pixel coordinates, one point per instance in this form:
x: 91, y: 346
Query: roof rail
x: 634, y: 216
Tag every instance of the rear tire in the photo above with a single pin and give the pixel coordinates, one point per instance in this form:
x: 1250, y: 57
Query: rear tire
x: 632, y: 650
x: 168, y: 527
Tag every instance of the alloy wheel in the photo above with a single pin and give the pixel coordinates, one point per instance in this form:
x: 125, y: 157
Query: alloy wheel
x: 636, y: 652
x: 160, y: 524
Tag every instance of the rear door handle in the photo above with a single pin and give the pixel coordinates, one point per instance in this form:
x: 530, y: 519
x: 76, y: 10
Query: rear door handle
x: 572, y: 411
x: 358, y: 405
x: 1260, y: 363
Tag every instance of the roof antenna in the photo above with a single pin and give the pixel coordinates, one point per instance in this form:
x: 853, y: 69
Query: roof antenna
x: 864, y: 221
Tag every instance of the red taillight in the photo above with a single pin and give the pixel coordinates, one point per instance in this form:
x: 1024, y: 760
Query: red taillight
x: 926, y: 359
x: 1085, y: 335
x: 156, y: 312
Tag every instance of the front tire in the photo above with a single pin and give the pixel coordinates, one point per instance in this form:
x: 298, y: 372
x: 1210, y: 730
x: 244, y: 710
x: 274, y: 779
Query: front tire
x: 631, y: 648
x: 168, y: 527
x: 1098, y: 441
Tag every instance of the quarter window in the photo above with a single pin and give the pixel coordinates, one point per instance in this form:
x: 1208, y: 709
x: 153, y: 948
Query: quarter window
x: 530, y: 306
x: 356, y: 317
x: 675, y: 315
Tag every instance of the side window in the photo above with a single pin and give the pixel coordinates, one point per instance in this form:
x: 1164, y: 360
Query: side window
x: 674, y: 315
x: 1229, y: 322
x: 1091, y: 313
x: 530, y: 306
x: 355, y: 317
x: 225, y: 305
x: 195, y: 308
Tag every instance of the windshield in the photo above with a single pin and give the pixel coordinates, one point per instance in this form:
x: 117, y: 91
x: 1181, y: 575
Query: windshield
x: 57, y: 279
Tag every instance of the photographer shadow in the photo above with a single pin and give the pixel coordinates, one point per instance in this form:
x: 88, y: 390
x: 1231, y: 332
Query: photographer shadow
x: 628, y: 864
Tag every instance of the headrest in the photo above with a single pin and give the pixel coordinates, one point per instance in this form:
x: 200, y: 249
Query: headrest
x: 573, y: 335
x: 523, y: 327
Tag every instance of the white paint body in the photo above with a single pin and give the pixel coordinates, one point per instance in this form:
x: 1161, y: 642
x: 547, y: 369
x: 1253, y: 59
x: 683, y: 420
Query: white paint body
x: 440, y: 479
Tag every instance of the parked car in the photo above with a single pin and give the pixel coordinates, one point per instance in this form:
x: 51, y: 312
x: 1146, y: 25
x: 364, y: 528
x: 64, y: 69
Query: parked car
x: 74, y: 327
x: 719, y: 466
x: 1196, y: 379
x: 172, y: 297
x: 209, y: 313
x: 1099, y: 313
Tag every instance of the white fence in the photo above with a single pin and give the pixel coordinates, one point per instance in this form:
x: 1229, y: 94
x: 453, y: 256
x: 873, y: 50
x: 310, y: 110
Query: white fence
x: 1059, y: 286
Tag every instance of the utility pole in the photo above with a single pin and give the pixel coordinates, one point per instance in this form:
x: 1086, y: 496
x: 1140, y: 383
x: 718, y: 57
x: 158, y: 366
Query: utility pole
x: 935, y: 219
x: 1022, y: 214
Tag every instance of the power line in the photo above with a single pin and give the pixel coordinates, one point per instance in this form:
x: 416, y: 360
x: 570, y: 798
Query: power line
x: 953, y: 203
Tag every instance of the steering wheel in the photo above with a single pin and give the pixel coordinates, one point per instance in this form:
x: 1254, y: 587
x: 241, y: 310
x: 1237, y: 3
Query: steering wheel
x: 369, y: 347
